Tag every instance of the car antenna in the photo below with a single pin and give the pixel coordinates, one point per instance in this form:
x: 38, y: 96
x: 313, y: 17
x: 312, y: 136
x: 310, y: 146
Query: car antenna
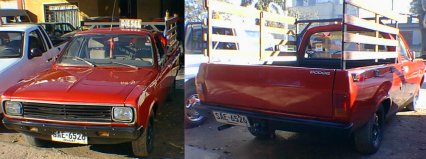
x: 112, y: 16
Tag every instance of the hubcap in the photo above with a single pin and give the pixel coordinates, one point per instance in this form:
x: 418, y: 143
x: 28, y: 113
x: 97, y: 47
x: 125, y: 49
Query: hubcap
x: 191, y: 113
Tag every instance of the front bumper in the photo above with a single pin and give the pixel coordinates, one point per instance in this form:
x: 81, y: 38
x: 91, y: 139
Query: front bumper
x: 45, y: 130
x: 287, y: 123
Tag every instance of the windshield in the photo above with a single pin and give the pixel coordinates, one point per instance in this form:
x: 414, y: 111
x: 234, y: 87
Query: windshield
x: 109, y: 50
x: 10, y: 44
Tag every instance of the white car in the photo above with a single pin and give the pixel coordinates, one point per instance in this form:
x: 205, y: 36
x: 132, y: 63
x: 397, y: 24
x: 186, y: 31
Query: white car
x: 25, y: 50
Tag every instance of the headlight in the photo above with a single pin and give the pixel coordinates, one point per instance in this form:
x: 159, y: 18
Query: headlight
x: 13, y: 108
x: 122, y: 114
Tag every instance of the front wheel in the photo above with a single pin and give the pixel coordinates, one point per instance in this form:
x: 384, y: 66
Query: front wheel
x: 412, y: 106
x: 144, y: 145
x: 369, y: 137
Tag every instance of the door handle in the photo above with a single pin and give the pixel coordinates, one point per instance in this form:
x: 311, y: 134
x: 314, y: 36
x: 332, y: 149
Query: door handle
x: 49, y: 59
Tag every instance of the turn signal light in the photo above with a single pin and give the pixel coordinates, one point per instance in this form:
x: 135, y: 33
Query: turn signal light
x: 33, y: 129
x: 103, y: 133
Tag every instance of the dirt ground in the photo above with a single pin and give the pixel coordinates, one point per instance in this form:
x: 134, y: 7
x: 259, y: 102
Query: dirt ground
x: 404, y: 137
x: 168, y: 139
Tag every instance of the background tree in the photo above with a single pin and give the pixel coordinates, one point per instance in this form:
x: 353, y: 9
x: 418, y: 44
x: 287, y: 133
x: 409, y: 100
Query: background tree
x: 417, y: 9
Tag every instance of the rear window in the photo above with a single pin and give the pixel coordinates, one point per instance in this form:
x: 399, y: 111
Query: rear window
x: 11, y: 44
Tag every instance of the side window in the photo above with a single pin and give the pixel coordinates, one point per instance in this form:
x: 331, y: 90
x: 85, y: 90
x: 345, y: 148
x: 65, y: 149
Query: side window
x: 45, y: 37
x: 402, y: 50
x: 36, y: 41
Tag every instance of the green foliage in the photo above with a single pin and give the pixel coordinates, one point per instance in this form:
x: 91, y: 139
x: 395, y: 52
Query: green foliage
x: 416, y: 7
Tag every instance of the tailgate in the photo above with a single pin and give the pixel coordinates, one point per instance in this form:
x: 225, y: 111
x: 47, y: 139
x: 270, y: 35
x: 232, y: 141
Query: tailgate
x: 275, y: 89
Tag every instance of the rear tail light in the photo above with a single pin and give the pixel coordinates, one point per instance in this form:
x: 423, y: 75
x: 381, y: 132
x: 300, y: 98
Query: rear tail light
x: 341, y: 105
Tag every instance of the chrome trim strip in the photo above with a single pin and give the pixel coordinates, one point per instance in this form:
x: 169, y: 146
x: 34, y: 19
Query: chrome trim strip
x: 66, y: 122
x: 69, y: 103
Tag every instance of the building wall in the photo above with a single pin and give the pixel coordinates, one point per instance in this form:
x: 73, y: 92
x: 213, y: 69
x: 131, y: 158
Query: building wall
x: 36, y: 7
x: 149, y: 9
x: 8, y: 4
x: 105, y: 8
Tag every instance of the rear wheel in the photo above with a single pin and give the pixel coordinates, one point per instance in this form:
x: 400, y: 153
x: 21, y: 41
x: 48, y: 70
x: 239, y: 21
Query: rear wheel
x: 144, y: 145
x: 261, y: 130
x: 368, y: 138
x: 192, y: 117
x: 35, y: 141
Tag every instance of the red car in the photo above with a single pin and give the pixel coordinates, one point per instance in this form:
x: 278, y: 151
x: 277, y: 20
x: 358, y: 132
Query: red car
x: 105, y: 88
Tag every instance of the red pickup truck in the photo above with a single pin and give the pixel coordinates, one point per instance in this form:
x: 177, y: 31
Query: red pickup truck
x: 350, y: 89
x: 105, y: 88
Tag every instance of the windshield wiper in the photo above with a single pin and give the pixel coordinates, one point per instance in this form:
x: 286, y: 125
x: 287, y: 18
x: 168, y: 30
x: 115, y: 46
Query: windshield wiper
x: 119, y: 63
x: 84, y: 60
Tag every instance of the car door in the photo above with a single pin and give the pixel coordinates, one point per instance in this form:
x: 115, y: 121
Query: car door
x: 409, y: 70
x: 37, y: 64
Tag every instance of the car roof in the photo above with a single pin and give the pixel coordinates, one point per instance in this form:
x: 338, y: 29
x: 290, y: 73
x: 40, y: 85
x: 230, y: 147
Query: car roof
x: 17, y: 27
x: 116, y: 30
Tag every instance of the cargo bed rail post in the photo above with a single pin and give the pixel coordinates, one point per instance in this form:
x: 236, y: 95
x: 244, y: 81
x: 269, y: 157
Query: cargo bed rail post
x: 375, y: 26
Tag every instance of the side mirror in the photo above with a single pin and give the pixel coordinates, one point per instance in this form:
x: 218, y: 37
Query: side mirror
x: 417, y: 54
x: 35, y: 52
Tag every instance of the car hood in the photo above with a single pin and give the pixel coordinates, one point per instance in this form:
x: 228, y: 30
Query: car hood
x: 5, y: 63
x: 84, y: 85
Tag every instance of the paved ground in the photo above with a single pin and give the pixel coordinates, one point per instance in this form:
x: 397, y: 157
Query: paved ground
x: 168, y: 140
x: 404, y: 137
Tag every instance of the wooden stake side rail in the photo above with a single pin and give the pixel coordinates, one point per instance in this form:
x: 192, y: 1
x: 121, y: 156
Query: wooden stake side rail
x: 356, y: 38
x: 221, y: 14
x: 366, y: 55
x: 375, y: 26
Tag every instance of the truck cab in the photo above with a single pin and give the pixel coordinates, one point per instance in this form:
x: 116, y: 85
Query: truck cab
x: 105, y: 88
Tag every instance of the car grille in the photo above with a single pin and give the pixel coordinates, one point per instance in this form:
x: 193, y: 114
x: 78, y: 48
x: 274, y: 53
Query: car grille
x: 84, y: 113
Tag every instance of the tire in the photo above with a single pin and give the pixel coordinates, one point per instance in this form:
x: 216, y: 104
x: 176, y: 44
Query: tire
x: 35, y: 141
x: 192, y: 117
x: 261, y: 131
x: 368, y: 138
x: 144, y: 145
x: 413, y: 104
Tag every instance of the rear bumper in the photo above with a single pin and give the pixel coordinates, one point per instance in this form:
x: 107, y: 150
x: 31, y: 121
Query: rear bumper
x: 45, y: 130
x: 288, y: 123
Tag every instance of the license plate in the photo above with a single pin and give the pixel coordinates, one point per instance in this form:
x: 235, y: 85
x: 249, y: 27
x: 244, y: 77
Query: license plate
x: 233, y: 119
x: 69, y: 137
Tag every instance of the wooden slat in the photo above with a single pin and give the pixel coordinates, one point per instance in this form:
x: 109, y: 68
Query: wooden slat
x: 370, y: 25
x: 229, y: 24
x: 282, y: 58
x: 225, y: 38
x: 172, y: 20
x: 278, y: 18
x: 234, y: 10
x: 366, y: 4
x: 171, y: 30
x: 280, y: 42
x: 153, y: 23
x: 277, y: 30
x: 365, y: 55
x: 364, y: 39
x: 100, y: 23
